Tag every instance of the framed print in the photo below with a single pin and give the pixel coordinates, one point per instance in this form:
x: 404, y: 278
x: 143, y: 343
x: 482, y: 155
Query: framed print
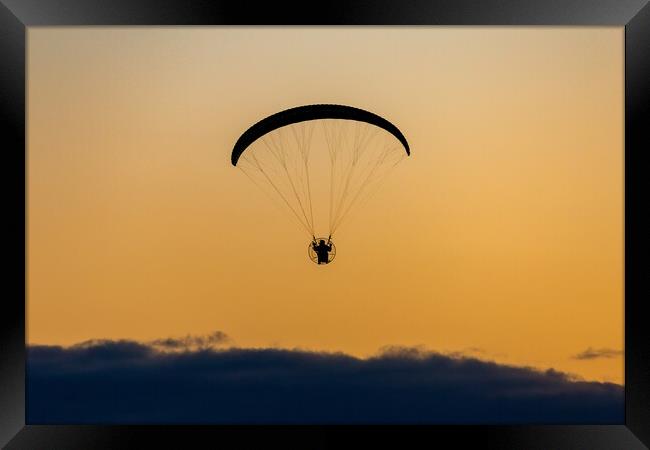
x: 364, y: 222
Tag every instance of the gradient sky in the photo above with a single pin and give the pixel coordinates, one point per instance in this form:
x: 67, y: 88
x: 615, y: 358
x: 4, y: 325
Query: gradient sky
x: 502, y: 235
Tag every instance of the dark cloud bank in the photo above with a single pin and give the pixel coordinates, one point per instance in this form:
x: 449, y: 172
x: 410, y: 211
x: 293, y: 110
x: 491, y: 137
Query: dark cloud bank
x: 190, y: 380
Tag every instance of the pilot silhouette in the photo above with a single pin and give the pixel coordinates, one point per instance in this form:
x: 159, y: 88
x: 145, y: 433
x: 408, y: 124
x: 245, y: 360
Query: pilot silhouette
x: 322, y: 251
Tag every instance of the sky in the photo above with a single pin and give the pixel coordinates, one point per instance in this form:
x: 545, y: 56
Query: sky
x: 500, y: 237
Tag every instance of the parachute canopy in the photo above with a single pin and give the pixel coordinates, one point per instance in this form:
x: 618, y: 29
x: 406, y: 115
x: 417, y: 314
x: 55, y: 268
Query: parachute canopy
x: 312, y: 112
x: 321, y: 161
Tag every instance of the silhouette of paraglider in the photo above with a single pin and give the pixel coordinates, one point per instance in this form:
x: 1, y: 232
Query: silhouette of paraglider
x: 362, y: 148
x: 322, y: 252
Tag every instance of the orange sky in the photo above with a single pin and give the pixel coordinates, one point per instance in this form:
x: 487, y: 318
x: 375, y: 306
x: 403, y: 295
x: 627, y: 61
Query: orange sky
x: 503, y: 231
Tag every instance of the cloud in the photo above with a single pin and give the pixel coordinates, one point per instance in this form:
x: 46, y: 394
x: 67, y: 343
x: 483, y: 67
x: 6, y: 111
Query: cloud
x: 191, y: 342
x: 125, y: 381
x: 592, y: 353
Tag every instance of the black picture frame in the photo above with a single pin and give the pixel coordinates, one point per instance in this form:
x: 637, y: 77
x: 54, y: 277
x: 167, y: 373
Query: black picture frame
x: 17, y: 15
